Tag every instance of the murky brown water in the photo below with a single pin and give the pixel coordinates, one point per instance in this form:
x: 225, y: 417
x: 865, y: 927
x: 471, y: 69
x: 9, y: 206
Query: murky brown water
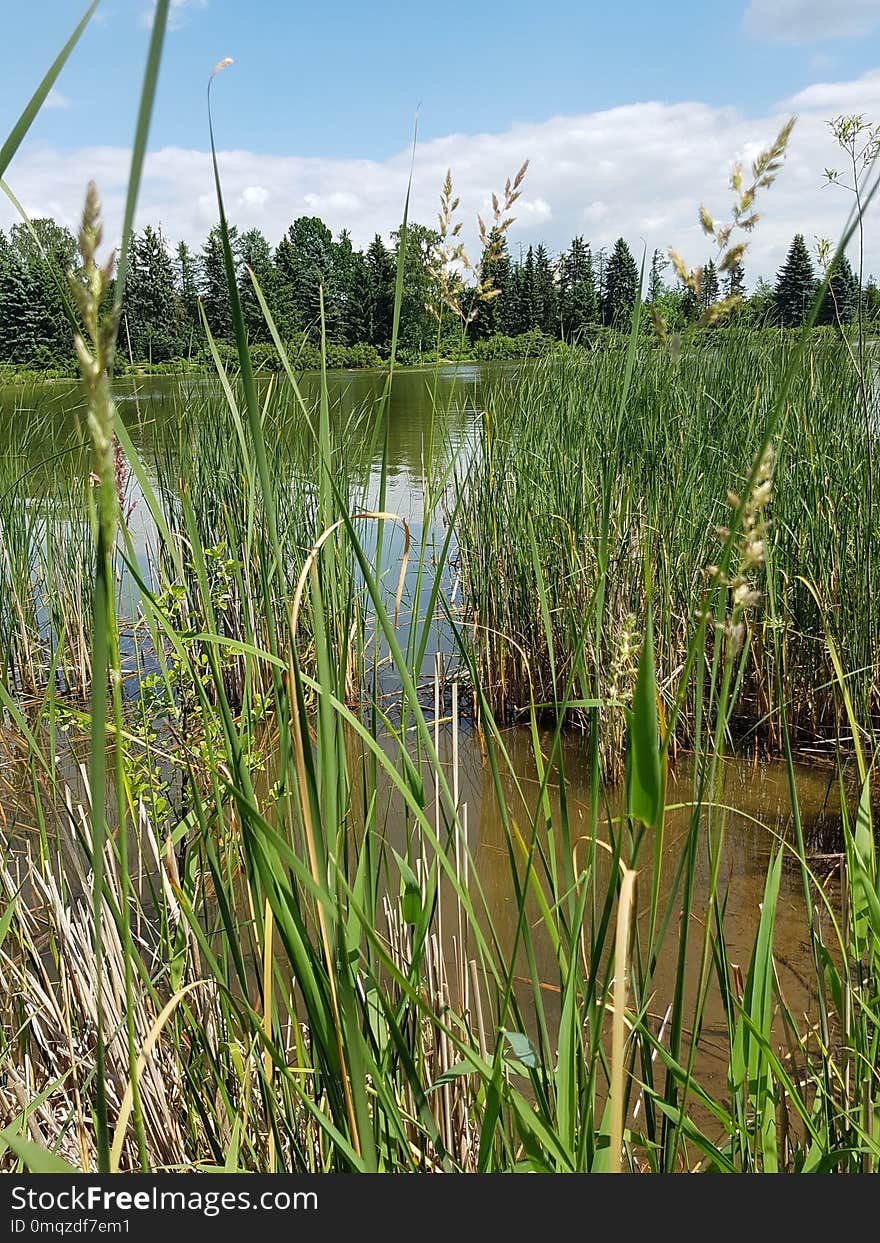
x: 753, y: 804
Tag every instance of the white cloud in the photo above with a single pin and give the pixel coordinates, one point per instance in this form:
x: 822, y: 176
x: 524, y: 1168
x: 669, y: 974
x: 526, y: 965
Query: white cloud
x: 640, y: 171
x: 254, y: 196
x: 533, y: 210
x: 56, y: 100
x: 335, y: 201
x: 862, y: 95
x: 808, y: 21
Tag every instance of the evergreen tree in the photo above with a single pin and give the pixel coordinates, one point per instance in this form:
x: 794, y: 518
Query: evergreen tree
x: 840, y: 305
x: 48, y: 251
x: 600, y: 263
x: 189, y: 325
x: 656, y: 284
x: 214, y: 289
x: 255, y: 254
x: 578, y: 304
x: 150, y: 311
x: 690, y: 304
x: 284, y: 262
x: 418, y: 328
x: 528, y: 294
x: 735, y: 280
x: 710, y: 287
x: 304, y: 260
x: 495, y: 270
x: 621, y: 287
x: 693, y: 304
x: 795, y: 285
x: 517, y: 302
x: 380, y: 273
x: 19, y: 312
x: 545, y: 311
x: 349, y: 286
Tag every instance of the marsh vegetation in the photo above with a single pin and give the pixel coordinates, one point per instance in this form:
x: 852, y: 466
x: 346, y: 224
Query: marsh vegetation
x: 373, y: 752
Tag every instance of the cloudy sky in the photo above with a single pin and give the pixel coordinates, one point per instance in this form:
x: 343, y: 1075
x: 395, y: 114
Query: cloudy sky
x: 631, y: 114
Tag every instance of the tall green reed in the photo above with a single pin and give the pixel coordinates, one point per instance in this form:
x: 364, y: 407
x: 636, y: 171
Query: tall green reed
x: 260, y: 978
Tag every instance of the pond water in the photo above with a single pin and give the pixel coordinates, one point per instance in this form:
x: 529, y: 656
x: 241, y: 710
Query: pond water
x: 755, y: 794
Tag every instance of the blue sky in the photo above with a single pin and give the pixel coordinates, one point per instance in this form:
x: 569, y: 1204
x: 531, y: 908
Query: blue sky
x: 628, y: 112
x: 345, y: 79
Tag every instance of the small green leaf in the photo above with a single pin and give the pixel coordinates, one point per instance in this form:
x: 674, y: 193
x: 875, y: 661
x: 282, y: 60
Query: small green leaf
x: 456, y: 1071
x: 411, y: 907
x: 645, y: 793
x: 864, y: 838
x: 232, y: 1162
x: 6, y: 919
x: 36, y: 1159
x: 522, y: 1048
x: 861, y: 866
x: 411, y: 900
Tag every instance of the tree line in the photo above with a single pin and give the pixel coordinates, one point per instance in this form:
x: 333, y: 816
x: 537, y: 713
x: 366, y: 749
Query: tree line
x: 311, y: 278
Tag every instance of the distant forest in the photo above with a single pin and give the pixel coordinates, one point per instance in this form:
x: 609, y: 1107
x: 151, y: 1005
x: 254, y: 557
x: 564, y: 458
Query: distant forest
x: 577, y: 296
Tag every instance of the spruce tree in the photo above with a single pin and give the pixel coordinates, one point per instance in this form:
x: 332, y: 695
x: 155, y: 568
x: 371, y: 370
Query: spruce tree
x: 356, y: 320
x: 304, y: 260
x: 690, y: 304
x: 621, y: 286
x: 214, y: 289
x: 578, y: 304
x: 545, y: 311
x: 495, y: 270
x: 656, y: 284
x: 380, y: 273
x: 517, y: 302
x: 150, y: 311
x: 710, y: 288
x: 19, y: 312
x: 528, y: 294
x: 346, y: 284
x: 795, y: 285
x: 735, y: 280
x: 694, y: 304
x: 255, y: 255
x: 840, y: 304
x: 48, y: 251
x: 189, y: 324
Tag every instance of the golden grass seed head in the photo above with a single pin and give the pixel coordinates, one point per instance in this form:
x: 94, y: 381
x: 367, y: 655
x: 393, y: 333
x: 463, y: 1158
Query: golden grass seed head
x: 221, y: 64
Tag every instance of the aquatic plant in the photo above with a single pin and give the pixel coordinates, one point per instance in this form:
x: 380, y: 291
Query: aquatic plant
x: 244, y: 924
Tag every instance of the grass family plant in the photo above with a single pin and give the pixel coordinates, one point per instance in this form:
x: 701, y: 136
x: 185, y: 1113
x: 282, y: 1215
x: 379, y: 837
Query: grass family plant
x: 247, y: 922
